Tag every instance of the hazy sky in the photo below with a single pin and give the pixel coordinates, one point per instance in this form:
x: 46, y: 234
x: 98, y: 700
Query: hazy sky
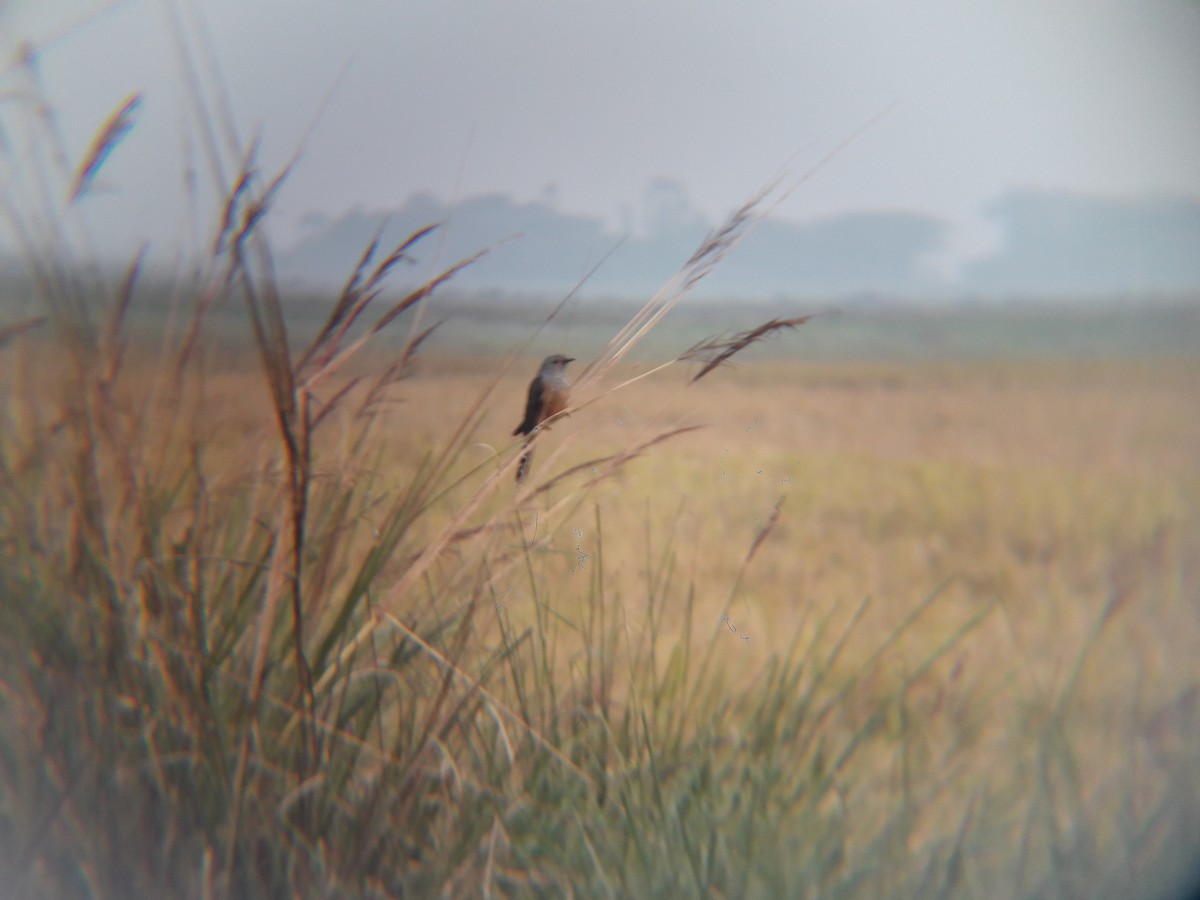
x: 588, y: 102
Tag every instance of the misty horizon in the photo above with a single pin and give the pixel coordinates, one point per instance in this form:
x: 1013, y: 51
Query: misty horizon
x: 1048, y: 243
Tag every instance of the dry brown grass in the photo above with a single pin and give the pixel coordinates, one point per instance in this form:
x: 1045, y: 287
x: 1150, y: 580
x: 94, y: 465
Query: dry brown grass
x: 1059, y: 502
x: 1035, y: 486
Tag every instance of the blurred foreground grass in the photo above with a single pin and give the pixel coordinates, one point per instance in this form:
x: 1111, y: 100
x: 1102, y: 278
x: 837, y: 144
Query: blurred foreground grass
x: 960, y: 663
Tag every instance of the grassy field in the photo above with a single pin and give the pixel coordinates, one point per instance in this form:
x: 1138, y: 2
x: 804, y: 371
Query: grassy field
x: 908, y: 628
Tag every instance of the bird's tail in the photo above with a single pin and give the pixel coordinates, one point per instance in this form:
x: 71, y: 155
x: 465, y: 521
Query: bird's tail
x: 523, y: 465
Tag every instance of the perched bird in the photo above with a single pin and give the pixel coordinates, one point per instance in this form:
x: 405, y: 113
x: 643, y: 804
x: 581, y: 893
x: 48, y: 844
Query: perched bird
x: 549, y: 393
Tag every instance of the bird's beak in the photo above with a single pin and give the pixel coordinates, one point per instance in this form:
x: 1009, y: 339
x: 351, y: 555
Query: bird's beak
x: 568, y: 359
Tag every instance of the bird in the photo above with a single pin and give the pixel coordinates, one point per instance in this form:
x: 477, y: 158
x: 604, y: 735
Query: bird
x: 549, y: 393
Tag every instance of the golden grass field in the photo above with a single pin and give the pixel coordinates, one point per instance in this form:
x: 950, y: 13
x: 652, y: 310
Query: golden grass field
x: 1040, y: 486
x: 1003, y: 556
x: 1033, y: 493
x: 1034, y: 487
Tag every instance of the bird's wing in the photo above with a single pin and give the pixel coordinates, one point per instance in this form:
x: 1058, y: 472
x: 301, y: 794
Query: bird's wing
x: 532, y: 408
